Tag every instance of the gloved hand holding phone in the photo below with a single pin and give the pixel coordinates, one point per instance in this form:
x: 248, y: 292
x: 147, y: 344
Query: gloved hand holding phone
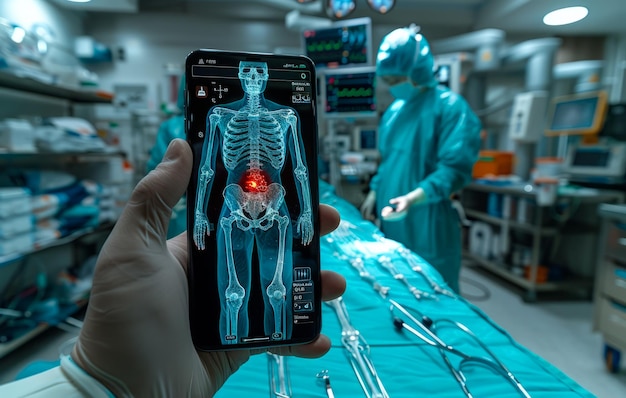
x: 136, y: 340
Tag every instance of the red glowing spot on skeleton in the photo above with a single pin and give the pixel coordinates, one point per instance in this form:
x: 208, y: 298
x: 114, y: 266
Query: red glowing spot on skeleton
x: 254, y: 181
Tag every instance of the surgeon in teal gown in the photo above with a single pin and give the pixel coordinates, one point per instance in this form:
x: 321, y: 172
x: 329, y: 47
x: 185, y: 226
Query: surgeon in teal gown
x: 174, y: 127
x: 429, y: 140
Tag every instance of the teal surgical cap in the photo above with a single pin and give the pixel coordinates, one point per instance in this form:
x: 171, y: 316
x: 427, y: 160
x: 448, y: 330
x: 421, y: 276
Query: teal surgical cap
x: 405, y: 52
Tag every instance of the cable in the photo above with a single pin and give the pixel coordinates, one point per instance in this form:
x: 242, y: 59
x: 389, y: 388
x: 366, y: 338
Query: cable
x: 486, y: 293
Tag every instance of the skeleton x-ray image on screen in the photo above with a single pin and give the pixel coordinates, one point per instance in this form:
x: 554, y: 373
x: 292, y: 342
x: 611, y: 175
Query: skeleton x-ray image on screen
x: 255, y: 138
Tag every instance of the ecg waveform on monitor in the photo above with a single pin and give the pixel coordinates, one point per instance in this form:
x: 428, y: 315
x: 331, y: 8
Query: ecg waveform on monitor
x: 353, y: 92
x: 338, y: 46
x: 321, y: 46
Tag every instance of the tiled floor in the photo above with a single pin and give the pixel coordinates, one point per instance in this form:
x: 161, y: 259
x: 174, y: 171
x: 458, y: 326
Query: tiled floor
x: 560, y: 331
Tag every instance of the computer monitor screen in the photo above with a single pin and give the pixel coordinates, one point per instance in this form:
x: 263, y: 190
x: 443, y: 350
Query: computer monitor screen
x: 368, y: 138
x: 365, y: 140
x: 577, y: 114
x: 349, y: 92
x: 345, y: 43
x: 615, y: 123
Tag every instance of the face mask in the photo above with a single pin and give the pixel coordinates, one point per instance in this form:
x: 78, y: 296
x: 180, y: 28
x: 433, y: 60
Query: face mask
x: 404, y: 90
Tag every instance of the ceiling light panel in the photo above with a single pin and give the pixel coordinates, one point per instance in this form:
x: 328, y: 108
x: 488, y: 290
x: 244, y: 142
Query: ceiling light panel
x: 565, y: 16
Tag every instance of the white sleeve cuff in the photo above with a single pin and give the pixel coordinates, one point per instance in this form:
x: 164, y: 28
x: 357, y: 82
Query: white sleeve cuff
x: 67, y: 381
x: 83, y: 380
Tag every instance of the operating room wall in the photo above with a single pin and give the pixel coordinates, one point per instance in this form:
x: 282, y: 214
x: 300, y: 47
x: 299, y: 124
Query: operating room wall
x: 143, y: 44
x: 149, y: 41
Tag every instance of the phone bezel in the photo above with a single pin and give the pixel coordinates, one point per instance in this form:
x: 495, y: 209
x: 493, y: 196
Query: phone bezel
x: 314, y: 330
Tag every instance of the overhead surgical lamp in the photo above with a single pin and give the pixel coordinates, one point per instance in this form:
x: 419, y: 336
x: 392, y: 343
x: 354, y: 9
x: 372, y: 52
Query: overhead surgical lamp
x: 340, y: 8
x: 18, y: 34
x: 381, y: 6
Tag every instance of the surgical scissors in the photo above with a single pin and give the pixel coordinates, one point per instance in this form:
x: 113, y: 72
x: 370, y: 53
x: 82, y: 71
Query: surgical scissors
x: 425, y: 330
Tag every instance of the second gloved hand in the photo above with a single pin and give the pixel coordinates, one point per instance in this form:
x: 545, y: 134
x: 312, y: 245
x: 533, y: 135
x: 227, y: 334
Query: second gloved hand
x: 401, y: 205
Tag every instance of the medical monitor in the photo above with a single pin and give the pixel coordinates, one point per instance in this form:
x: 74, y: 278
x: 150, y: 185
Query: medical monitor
x: 345, y: 43
x: 578, y: 114
x: 349, y: 92
x: 365, y: 140
x: 615, y: 123
x: 451, y: 70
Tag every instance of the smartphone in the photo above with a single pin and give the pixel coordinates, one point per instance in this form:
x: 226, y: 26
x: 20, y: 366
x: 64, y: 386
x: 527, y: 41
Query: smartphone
x: 252, y: 201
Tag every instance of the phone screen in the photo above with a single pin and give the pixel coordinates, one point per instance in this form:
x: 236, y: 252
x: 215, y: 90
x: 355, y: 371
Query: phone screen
x: 252, y: 203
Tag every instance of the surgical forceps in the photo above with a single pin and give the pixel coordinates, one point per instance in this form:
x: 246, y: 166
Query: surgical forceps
x: 278, y: 375
x: 425, y: 330
x: 358, y: 353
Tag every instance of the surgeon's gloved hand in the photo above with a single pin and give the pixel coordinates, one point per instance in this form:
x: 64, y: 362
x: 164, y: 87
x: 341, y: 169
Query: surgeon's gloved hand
x: 136, y: 339
x: 399, y: 206
x: 369, y: 205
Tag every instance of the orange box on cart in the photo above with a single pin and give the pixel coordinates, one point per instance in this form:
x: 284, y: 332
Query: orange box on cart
x: 493, y: 163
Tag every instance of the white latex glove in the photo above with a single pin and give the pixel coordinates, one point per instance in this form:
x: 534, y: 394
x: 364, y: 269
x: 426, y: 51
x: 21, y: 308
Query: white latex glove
x: 400, y: 205
x: 136, y: 339
x: 368, y: 206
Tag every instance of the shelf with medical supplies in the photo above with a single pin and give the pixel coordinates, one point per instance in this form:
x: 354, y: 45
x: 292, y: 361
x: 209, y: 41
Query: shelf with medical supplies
x: 545, y: 231
x: 48, y: 196
x: 15, y: 343
x: 29, y: 311
x: 538, y: 246
x: 17, y: 82
x: 610, y: 288
x: 38, y: 247
x: 62, y: 188
x: 66, y: 156
x: 14, y: 336
x: 521, y: 280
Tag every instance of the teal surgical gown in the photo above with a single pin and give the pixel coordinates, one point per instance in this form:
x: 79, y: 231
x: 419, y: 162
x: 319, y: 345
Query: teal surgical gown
x: 429, y: 141
x: 174, y: 127
x: 170, y: 129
